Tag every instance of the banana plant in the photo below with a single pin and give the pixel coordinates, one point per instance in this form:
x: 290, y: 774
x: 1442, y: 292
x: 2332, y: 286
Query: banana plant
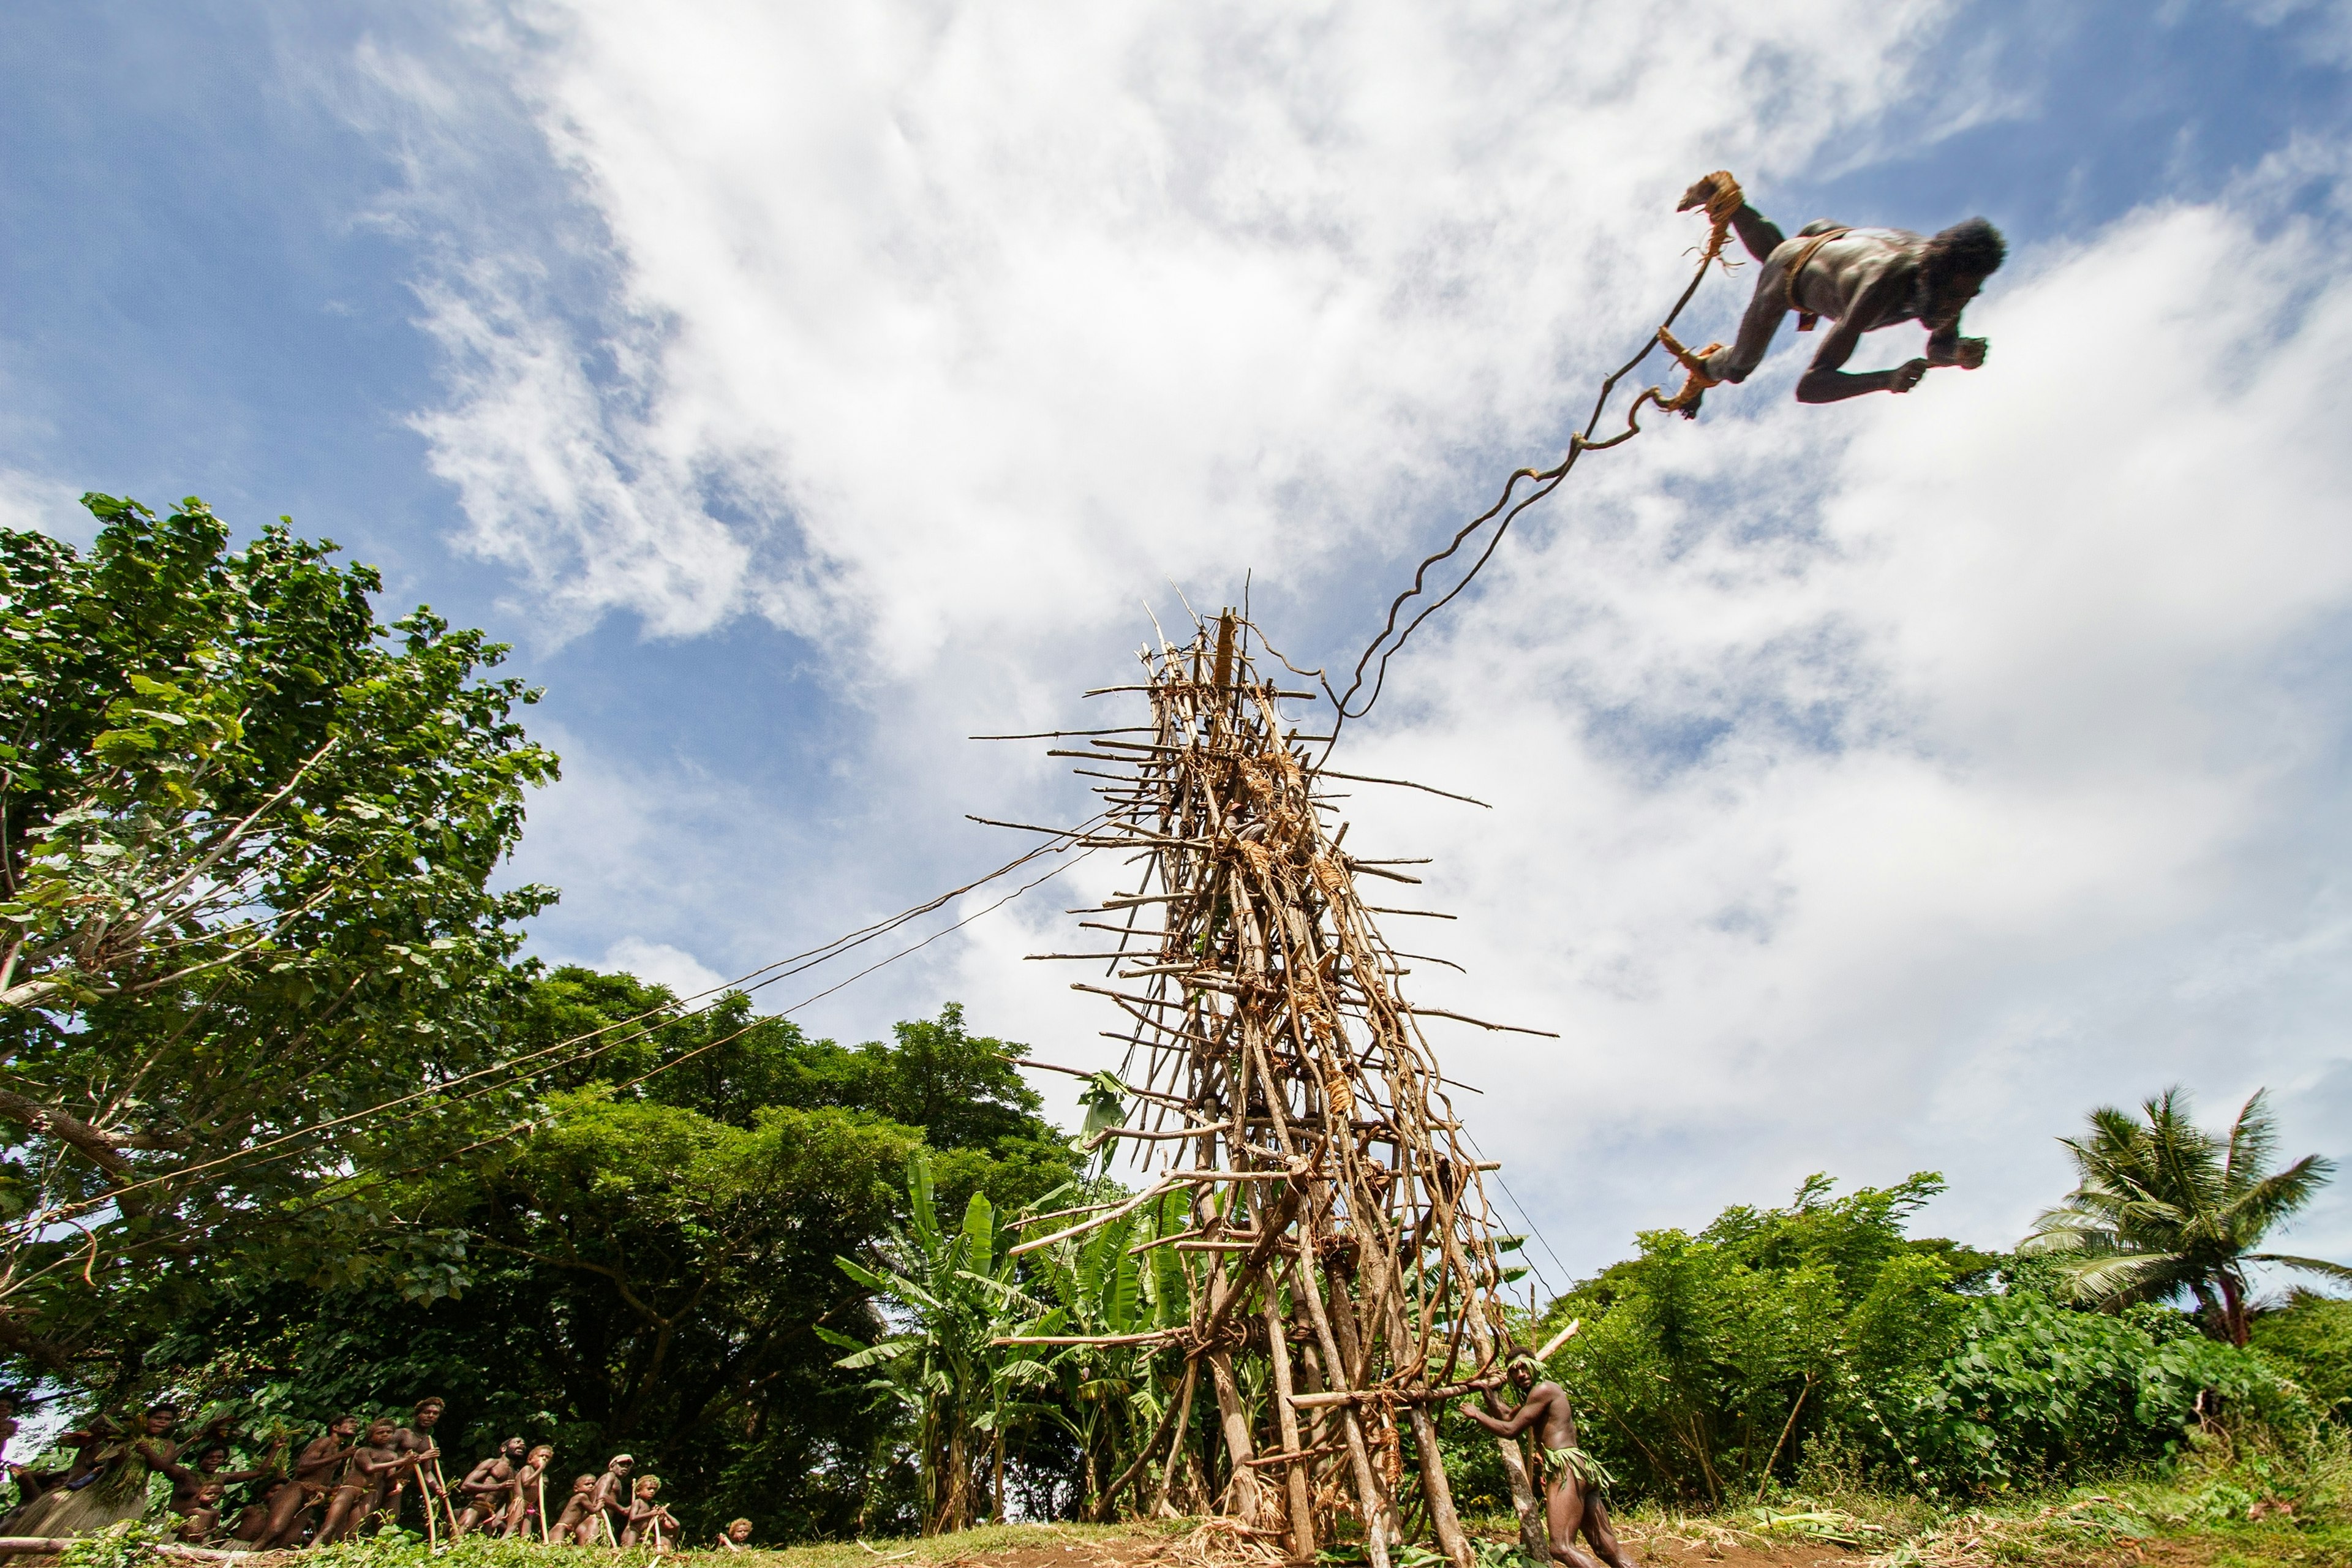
x: 952, y: 1294
x: 1110, y: 1282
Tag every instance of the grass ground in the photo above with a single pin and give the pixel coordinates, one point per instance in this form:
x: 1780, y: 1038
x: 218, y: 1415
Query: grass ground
x: 2214, y: 1511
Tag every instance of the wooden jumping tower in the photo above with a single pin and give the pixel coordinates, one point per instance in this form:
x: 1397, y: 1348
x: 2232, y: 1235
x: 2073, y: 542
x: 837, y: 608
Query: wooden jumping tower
x: 1339, y: 1228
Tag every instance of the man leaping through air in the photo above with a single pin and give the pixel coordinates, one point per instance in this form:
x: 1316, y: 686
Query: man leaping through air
x: 1861, y: 278
x: 1573, y: 1479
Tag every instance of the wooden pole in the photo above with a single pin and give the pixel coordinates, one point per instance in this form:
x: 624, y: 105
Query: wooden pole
x: 1176, y: 1444
x: 1298, y: 1487
x: 1267, y: 1041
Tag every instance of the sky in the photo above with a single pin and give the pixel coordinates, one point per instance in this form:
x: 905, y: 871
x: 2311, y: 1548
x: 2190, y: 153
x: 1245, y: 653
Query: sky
x: 1875, y: 788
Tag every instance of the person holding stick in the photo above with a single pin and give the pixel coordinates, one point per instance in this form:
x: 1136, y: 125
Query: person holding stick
x: 308, y: 1486
x: 1574, y: 1481
x: 576, y: 1526
x: 489, y: 1489
x: 416, y: 1441
x: 526, y: 1508
x: 609, y: 1504
x: 647, y: 1519
x: 736, y: 1537
x: 374, y: 1464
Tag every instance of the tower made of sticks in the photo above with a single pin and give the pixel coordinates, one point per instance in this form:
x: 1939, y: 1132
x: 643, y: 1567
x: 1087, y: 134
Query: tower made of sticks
x: 1339, y: 1227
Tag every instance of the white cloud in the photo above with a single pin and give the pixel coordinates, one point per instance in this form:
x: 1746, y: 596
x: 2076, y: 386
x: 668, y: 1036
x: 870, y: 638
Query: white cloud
x: 30, y: 501
x: 658, y: 963
x: 1877, y: 786
x: 942, y: 325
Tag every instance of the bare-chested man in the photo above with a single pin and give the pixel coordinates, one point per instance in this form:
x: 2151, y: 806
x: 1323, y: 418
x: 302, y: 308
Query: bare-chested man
x: 488, y: 1487
x: 576, y: 1525
x: 529, y: 1495
x: 313, y: 1478
x: 416, y: 1442
x: 1861, y: 278
x: 1573, y: 1479
x: 373, y: 1465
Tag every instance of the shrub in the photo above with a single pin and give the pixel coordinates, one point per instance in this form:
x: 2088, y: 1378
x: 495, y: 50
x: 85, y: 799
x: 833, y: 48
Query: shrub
x: 2037, y: 1393
x: 2311, y: 1341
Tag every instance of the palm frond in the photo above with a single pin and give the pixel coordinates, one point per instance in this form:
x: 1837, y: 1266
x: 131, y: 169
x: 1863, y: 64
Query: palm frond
x: 2309, y: 1265
x: 2124, y: 1275
x: 2252, y: 1143
x: 2276, y: 1197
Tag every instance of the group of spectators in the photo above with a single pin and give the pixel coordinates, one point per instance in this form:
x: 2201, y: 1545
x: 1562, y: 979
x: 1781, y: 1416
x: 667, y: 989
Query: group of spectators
x: 354, y: 1478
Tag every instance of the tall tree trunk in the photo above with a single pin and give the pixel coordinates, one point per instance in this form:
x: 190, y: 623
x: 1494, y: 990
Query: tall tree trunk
x: 955, y: 1508
x: 2233, y: 1309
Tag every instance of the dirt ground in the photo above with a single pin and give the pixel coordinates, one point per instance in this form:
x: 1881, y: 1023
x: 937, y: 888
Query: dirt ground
x: 1049, y: 1547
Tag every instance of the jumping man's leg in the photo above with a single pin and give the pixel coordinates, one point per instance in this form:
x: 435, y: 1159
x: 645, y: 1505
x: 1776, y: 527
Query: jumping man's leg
x: 1766, y: 309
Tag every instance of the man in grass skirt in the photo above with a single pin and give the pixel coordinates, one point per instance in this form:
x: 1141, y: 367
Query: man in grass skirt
x: 1574, y: 1481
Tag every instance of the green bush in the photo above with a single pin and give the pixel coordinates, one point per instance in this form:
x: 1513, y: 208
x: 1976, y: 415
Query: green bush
x: 1710, y: 1365
x: 2037, y: 1393
x: 1707, y: 1361
x: 2310, y: 1339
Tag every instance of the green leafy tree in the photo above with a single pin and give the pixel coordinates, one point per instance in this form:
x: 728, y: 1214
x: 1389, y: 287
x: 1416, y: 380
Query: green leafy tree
x: 2310, y: 1339
x: 1706, y: 1361
x: 246, y: 835
x: 2162, y: 1208
x: 647, y: 1270
x: 957, y: 1293
x: 1108, y: 1282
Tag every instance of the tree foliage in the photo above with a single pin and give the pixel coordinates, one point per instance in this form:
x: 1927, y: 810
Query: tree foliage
x: 2035, y: 1392
x: 958, y: 1291
x: 1705, y: 1360
x: 2310, y: 1339
x: 654, y: 1268
x: 2161, y: 1208
x: 1710, y: 1365
x: 245, y: 841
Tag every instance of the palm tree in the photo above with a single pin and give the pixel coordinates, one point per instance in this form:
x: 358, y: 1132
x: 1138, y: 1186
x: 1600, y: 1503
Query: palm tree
x: 2161, y: 1208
